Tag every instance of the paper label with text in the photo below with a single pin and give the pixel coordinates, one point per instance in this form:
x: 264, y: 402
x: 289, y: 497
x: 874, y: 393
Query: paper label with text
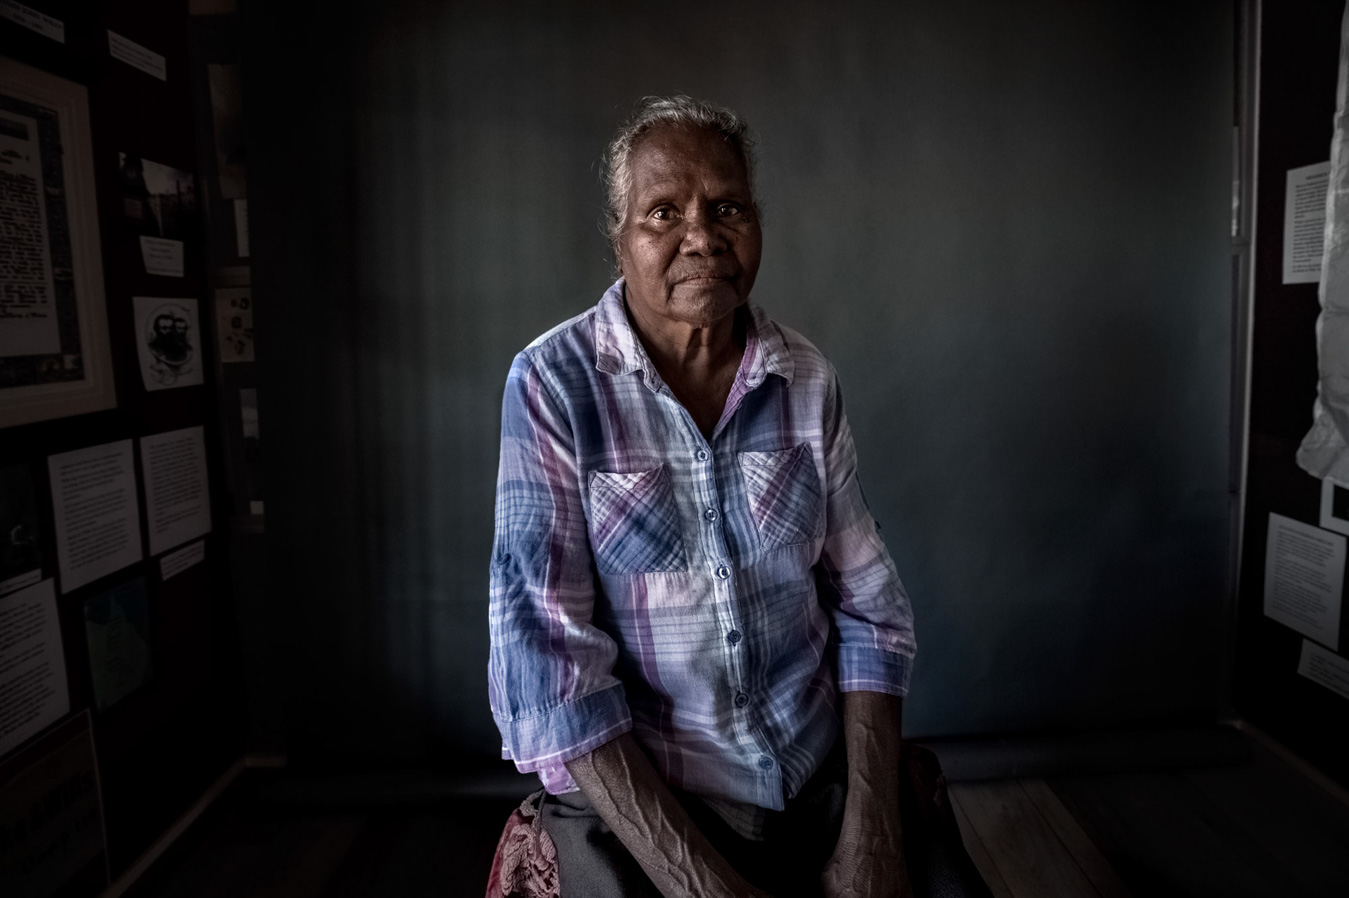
x: 177, y: 562
x: 1325, y: 667
x: 33, y: 20
x: 133, y: 54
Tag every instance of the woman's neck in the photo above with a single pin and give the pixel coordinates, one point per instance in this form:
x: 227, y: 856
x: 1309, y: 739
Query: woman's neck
x: 698, y: 364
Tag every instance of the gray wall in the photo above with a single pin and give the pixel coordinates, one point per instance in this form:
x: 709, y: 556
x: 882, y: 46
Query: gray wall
x: 1008, y: 230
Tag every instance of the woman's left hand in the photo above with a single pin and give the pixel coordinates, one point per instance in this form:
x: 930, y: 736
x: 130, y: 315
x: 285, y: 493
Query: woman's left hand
x: 866, y: 866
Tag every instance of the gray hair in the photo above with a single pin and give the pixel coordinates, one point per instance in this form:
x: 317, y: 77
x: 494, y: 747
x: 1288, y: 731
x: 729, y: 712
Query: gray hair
x: 678, y: 111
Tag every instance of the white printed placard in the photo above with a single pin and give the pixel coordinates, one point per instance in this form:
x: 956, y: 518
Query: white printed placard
x: 33, y: 676
x: 177, y: 497
x: 1304, y: 578
x: 162, y: 256
x: 133, y: 54
x: 1325, y: 667
x: 98, y: 525
x: 175, y: 563
x: 33, y: 20
x: 1304, y: 223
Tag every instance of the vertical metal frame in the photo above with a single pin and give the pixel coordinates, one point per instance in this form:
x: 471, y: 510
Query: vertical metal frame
x: 1245, y: 153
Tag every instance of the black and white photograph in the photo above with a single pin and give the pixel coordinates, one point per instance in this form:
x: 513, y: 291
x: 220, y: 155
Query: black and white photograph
x: 159, y: 203
x: 157, y: 200
x: 53, y: 334
x: 168, y: 342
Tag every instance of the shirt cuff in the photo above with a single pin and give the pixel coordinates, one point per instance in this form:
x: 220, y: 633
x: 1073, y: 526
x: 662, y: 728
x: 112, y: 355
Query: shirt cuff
x: 863, y: 669
x: 551, y: 738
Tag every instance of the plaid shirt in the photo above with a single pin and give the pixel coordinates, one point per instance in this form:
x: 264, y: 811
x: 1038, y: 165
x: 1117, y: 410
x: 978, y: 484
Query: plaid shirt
x: 709, y: 596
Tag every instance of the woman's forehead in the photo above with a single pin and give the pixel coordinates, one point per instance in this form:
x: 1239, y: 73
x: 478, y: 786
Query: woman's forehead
x: 672, y: 154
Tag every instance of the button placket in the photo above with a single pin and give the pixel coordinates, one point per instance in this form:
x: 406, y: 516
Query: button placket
x: 725, y: 590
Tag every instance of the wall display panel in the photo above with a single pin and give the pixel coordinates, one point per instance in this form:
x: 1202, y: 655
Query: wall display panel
x: 167, y: 721
x: 1280, y: 684
x: 54, y: 358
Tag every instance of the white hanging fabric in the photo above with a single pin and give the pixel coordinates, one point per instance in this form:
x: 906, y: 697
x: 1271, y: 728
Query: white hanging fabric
x: 1325, y: 449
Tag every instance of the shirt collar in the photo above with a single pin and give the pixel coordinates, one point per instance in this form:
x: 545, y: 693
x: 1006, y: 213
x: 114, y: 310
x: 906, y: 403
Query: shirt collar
x: 618, y: 351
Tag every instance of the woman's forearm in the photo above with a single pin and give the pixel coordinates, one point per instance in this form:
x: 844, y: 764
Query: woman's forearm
x: 871, y: 730
x: 869, y: 857
x: 630, y: 796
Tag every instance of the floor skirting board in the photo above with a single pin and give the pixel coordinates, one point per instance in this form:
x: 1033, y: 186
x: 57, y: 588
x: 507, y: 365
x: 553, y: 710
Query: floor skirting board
x: 128, y: 878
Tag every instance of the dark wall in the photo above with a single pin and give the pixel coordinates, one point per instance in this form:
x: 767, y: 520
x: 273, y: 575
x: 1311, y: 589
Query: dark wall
x: 1009, y: 230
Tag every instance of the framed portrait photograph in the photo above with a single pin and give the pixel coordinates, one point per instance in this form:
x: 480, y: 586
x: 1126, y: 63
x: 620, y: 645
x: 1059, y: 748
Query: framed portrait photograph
x: 54, y: 357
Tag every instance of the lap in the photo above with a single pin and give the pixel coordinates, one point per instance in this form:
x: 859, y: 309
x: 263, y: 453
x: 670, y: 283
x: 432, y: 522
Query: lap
x: 592, y: 862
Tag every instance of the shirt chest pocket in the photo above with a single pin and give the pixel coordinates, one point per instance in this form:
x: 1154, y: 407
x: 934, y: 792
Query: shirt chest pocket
x: 634, y: 523
x: 784, y: 495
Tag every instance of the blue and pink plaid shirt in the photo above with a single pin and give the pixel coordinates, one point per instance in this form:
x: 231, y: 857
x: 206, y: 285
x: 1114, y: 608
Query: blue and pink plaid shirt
x: 709, y: 596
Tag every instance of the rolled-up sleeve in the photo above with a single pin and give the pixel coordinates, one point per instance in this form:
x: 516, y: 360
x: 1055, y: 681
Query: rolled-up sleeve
x: 855, y: 576
x: 550, y: 671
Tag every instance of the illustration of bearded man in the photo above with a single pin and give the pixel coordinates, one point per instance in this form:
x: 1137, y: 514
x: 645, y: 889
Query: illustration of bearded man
x: 170, y: 343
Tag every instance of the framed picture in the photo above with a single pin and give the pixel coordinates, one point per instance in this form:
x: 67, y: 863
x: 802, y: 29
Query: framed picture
x: 54, y: 358
x: 1334, y: 507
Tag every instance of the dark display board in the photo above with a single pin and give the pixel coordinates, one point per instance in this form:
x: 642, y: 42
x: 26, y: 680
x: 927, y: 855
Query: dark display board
x: 164, y: 736
x: 1300, y: 58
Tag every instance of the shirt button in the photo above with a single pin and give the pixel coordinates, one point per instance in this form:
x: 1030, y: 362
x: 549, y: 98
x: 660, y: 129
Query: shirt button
x: 740, y: 701
x: 733, y: 637
x: 766, y: 762
x: 710, y: 514
x: 723, y: 572
x: 702, y: 455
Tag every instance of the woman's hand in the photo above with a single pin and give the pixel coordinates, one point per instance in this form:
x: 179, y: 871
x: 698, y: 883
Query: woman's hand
x: 630, y: 796
x: 866, y: 866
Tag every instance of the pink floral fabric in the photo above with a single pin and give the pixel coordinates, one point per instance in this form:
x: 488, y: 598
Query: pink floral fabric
x: 525, y: 865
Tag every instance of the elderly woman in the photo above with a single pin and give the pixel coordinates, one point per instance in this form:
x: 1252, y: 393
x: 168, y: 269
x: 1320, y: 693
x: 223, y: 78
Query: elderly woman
x: 688, y: 591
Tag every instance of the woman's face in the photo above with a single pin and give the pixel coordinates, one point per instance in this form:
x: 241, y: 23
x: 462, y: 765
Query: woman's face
x: 690, y: 244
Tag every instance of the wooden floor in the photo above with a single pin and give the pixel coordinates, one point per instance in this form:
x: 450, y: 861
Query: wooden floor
x: 1258, y: 828
x: 1254, y: 829
x: 258, y: 843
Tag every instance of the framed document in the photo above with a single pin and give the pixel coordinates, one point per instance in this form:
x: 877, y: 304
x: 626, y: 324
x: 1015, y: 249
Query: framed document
x: 54, y: 358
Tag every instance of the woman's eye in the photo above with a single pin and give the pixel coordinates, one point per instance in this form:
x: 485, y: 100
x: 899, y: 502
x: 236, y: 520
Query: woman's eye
x: 728, y: 209
x: 664, y: 213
